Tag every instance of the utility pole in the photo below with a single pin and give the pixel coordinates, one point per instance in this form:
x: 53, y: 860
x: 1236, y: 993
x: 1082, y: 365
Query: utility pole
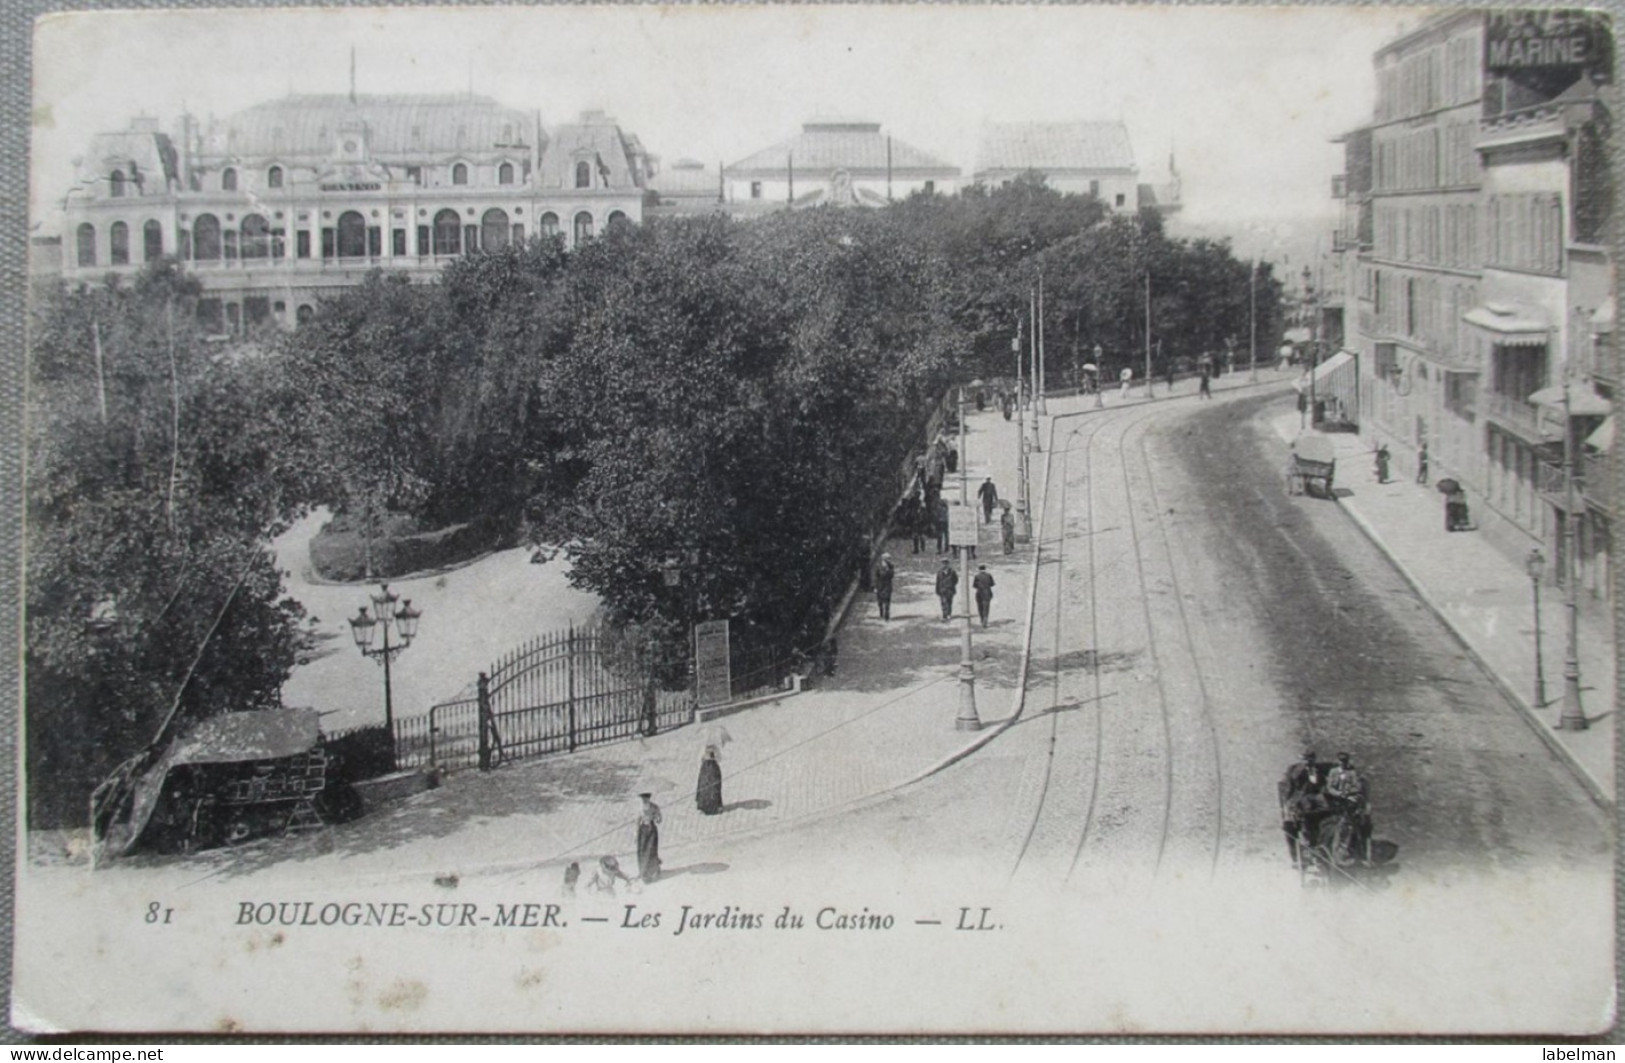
x: 1252, y: 323
x: 1148, y: 393
x: 1024, y: 528
x: 967, y: 720
x: 1032, y: 311
x: 1039, y: 391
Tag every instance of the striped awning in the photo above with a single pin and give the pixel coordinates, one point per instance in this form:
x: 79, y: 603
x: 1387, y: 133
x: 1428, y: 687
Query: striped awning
x: 1337, y: 377
x: 1512, y: 326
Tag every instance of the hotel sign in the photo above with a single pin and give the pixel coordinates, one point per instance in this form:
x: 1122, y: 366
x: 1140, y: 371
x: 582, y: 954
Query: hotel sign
x: 351, y: 186
x: 1543, y: 40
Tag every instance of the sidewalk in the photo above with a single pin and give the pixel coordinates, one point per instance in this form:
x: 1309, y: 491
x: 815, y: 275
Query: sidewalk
x: 887, y: 718
x: 1487, y: 601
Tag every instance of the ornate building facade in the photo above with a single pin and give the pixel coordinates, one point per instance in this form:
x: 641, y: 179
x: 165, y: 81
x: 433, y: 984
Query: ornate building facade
x: 273, y: 206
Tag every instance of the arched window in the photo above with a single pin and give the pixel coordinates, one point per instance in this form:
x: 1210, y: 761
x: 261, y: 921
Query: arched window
x: 448, y: 233
x: 206, y: 238
x: 583, y: 227
x: 305, y: 313
x: 256, y: 239
x: 119, y: 244
x: 583, y: 174
x: 548, y: 224
x: 152, y: 241
x: 87, y: 244
x: 273, y: 177
x: 228, y: 180
x: 494, y: 229
x: 116, y: 184
x: 616, y: 217
x: 505, y: 174
x: 459, y: 174
x: 352, y: 235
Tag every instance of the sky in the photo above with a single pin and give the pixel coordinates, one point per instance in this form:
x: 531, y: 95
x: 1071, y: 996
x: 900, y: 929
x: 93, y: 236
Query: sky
x: 1246, y: 99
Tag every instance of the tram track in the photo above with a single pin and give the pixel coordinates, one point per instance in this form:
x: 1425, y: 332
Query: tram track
x: 1078, y: 766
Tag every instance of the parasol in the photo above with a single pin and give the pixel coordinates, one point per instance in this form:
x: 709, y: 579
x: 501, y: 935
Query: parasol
x: 714, y: 735
x: 1447, y: 486
x: 1090, y: 367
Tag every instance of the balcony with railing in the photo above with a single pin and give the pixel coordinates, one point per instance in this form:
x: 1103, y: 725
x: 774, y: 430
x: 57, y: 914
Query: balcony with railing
x: 1515, y: 412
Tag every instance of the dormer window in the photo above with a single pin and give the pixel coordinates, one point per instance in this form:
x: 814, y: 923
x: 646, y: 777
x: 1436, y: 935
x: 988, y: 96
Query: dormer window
x: 459, y: 174
x: 583, y: 175
x: 273, y: 177
x: 228, y: 180
x: 116, y: 184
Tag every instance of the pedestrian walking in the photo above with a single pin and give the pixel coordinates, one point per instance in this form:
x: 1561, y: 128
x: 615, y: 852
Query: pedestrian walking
x: 941, y: 524
x: 989, y: 496
x: 947, y: 586
x: 649, y: 840
x: 1168, y: 376
x: 708, y: 791
x: 1124, y: 378
x: 1456, y: 517
x: 1422, y: 465
x: 572, y: 875
x: 885, y: 573
x: 914, y: 521
x: 983, y: 585
x: 951, y: 460
x: 1007, y: 527
x: 1204, y: 384
x: 1382, y: 464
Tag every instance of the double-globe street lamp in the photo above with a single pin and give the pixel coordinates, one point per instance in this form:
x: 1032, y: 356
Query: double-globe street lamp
x: 364, y: 626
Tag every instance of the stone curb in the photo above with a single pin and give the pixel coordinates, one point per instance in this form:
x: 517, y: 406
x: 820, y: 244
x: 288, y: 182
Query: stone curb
x: 1594, y: 786
x: 1531, y: 715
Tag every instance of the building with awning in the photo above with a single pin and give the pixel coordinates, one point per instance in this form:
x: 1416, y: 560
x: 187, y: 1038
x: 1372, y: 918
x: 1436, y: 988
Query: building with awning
x: 1336, y: 387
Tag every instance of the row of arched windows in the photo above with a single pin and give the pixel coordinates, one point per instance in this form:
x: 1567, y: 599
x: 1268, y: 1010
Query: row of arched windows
x: 118, y: 243
x: 275, y: 177
x: 351, y: 237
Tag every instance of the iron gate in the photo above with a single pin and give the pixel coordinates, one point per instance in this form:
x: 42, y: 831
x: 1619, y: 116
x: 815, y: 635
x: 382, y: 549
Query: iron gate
x: 557, y: 692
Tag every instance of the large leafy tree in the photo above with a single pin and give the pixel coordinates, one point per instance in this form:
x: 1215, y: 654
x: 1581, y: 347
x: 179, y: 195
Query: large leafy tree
x: 158, y: 464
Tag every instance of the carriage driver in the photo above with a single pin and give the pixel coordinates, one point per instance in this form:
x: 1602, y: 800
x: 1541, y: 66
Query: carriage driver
x: 1300, y: 791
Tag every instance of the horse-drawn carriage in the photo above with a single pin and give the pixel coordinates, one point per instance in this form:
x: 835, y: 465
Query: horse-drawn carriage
x: 1313, y: 465
x: 1332, y: 836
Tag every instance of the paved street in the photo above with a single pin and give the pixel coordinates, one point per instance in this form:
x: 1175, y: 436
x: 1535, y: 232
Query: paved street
x: 1192, y: 627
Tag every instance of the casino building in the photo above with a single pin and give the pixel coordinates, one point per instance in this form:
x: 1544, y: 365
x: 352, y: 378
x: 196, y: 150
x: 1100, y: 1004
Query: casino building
x: 279, y: 203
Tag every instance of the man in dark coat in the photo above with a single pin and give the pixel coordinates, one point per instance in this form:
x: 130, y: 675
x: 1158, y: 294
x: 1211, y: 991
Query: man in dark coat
x: 1302, y: 794
x: 947, y: 586
x: 885, y: 573
x: 989, y: 496
x: 983, y: 585
x: 940, y: 518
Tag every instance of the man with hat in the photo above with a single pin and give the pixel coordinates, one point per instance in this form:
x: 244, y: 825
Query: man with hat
x: 1302, y: 794
x: 885, y: 573
x: 1347, y: 793
x: 947, y: 586
x: 983, y: 585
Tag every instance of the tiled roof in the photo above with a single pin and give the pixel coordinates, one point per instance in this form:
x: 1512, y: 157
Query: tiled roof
x: 397, y: 126
x: 1054, y: 147
x: 686, y: 177
x: 826, y: 146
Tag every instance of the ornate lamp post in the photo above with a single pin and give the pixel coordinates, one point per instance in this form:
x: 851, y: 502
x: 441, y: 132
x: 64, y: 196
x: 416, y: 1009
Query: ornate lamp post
x: 1573, y: 717
x: 364, y: 627
x: 967, y: 720
x: 1535, y: 565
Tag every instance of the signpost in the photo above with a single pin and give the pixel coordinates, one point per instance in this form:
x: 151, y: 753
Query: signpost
x: 713, y: 679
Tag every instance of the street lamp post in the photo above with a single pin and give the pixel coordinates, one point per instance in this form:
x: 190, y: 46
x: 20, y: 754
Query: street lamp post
x: 1573, y: 717
x: 1148, y: 393
x: 1309, y: 297
x: 1038, y: 378
x: 1032, y: 376
x: 363, y: 627
x: 1100, y: 391
x: 967, y: 719
x: 1535, y: 565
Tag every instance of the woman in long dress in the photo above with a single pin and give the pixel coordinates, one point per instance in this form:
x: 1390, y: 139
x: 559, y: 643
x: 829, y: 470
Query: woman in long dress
x: 708, y: 794
x: 649, y: 840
